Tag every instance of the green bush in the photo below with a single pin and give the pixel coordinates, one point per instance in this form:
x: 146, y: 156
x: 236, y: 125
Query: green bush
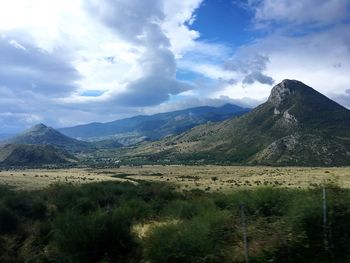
x: 100, y: 235
x: 202, y: 239
x: 26, y: 204
x: 96, y: 223
x: 8, y: 221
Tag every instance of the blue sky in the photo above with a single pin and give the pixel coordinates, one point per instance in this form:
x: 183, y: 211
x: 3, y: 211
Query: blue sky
x: 224, y: 21
x: 69, y: 62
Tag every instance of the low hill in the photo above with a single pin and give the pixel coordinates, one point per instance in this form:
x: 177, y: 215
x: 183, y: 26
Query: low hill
x: 135, y: 129
x: 43, y: 135
x: 296, y: 126
x: 25, y: 155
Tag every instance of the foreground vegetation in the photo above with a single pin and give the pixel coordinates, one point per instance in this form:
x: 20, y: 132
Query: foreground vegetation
x: 150, y: 222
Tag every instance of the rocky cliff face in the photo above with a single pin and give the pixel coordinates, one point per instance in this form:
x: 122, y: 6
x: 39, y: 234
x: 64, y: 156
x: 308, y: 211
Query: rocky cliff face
x: 281, y: 92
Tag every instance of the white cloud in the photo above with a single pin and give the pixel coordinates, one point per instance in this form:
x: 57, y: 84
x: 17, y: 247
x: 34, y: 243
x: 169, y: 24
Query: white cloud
x: 313, y: 13
x: 207, y: 69
x: 256, y: 92
x: 129, y: 51
x: 125, y: 49
x: 177, y: 14
x: 17, y: 45
x: 321, y: 60
x: 318, y: 57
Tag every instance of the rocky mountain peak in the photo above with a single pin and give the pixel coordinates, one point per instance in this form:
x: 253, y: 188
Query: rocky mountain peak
x: 38, y: 128
x: 281, y: 91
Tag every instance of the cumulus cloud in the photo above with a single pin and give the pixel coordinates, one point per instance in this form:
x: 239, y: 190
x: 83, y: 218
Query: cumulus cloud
x: 71, y: 62
x: 157, y: 62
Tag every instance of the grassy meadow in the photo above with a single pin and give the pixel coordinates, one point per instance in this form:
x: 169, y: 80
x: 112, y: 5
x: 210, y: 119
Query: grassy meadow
x: 206, y: 177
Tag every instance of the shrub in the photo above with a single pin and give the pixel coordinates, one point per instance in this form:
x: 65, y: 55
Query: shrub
x: 8, y: 221
x: 26, y: 204
x: 97, y: 236
x: 202, y: 239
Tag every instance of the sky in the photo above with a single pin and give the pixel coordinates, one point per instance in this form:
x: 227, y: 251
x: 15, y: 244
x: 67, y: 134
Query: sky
x: 68, y: 62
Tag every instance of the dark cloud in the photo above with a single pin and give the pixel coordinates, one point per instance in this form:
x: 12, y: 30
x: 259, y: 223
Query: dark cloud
x: 15, y: 122
x: 257, y: 76
x: 150, y: 91
x: 228, y: 81
x: 138, y: 23
x: 246, y: 62
x: 251, y: 64
x: 24, y: 67
x: 30, y: 81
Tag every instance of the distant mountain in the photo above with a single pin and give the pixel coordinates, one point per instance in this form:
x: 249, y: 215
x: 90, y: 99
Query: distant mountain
x: 296, y: 126
x: 43, y: 135
x: 153, y: 127
x: 23, y: 155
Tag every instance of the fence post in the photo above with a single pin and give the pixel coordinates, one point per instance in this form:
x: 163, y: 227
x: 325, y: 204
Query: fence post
x: 244, y: 230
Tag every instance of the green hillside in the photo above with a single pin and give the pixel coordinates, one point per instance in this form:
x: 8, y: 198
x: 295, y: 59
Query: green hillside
x: 296, y: 126
x: 43, y: 135
x: 25, y: 155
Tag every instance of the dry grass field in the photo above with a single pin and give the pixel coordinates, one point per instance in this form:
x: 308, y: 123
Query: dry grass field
x: 32, y: 179
x: 206, y: 177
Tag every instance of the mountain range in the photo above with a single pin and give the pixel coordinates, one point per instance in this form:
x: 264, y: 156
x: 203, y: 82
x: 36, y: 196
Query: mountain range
x: 296, y: 126
x: 35, y: 141
x: 153, y: 127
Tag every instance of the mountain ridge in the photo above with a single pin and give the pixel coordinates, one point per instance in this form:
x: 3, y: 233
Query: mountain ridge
x: 296, y: 126
x: 153, y: 127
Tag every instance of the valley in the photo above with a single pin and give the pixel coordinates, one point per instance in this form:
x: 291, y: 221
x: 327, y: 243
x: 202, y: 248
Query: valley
x: 167, y: 131
x: 182, y: 195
